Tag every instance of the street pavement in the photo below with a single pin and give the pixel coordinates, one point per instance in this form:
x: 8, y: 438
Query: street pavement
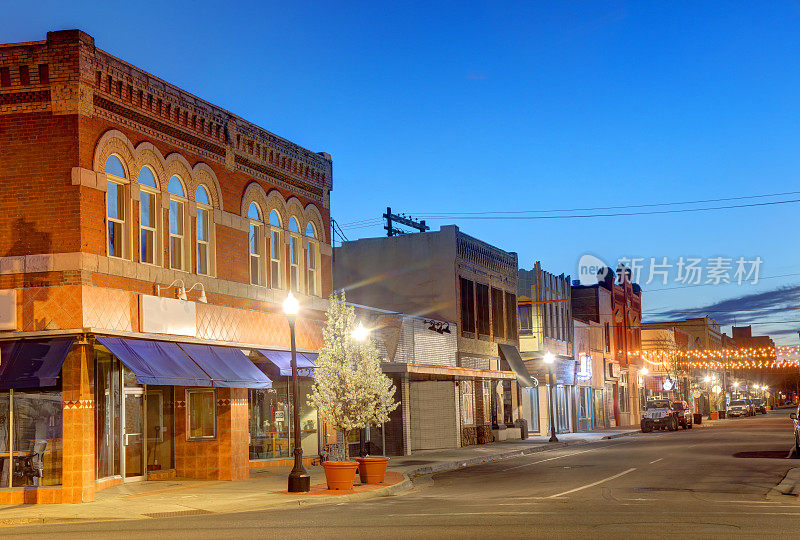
x: 706, y: 482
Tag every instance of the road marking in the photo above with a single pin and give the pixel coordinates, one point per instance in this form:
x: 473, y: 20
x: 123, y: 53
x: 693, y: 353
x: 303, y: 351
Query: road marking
x: 587, y: 486
x: 561, y: 457
x: 656, y: 460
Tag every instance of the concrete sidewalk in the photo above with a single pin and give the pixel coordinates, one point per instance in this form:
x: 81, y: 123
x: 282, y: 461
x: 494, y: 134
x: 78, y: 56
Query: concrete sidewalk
x: 267, y: 486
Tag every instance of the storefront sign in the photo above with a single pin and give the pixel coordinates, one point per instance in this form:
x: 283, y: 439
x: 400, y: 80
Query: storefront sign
x: 168, y: 316
x: 8, y: 309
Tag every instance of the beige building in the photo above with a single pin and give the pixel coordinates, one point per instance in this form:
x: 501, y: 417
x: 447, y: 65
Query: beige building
x: 448, y: 276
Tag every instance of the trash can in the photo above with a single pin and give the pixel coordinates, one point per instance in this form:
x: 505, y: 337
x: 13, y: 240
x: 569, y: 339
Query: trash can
x: 523, y: 427
x: 698, y: 418
x: 722, y: 415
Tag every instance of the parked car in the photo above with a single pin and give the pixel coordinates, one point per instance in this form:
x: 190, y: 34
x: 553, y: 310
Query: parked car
x: 760, y: 405
x: 684, y: 414
x: 796, y: 423
x: 740, y: 407
x: 659, y: 414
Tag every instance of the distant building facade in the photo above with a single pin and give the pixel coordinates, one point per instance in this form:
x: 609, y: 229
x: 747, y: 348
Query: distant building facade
x: 546, y: 326
x: 447, y: 276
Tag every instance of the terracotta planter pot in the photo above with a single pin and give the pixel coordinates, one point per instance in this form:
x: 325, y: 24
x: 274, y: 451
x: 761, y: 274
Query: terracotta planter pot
x: 340, y: 474
x: 372, y: 469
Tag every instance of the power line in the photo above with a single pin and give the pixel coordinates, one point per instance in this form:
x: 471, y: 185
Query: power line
x: 444, y: 214
x: 613, y: 214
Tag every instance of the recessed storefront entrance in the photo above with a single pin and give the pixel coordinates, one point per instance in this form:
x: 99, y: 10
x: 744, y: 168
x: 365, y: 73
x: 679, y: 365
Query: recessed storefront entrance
x: 134, y: 423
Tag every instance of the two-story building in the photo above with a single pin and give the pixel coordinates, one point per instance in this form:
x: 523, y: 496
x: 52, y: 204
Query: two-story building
x: 546, y: 326
x: 147, y: 241
x: 451, y: 277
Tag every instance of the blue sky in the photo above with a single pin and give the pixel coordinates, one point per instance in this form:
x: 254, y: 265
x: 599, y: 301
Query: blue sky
x: 485, y: 106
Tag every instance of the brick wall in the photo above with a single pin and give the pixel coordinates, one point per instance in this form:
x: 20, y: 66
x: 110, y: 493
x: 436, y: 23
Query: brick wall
x: 54, y: 122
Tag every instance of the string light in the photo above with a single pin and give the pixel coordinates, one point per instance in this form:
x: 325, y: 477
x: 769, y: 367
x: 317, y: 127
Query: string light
x: 723, y: 358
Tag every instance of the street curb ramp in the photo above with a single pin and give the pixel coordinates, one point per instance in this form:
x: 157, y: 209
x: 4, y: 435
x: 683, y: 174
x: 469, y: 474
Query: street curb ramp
x: 790, y: 485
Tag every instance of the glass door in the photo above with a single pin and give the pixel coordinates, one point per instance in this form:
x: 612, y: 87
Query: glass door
x: 133, y: 439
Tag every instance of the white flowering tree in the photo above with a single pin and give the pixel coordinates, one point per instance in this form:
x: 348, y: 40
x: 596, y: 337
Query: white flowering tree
x: 350, y: 391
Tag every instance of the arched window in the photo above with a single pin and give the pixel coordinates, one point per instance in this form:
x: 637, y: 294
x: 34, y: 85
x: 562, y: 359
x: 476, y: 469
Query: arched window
x: 114, y: 166
x: 274, y: 219
x: 203, y: 227
x: 294, y: 255
x: 147, y: 178
x: 176, y: 187
x: 275, y: 250
x: 256, y: 221
x: 116, y: 206
x: 148, y: 216
x: 177, y: 224
x: 311, y: 260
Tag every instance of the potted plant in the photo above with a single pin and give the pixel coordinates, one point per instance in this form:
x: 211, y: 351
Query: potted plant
x: 350, y: 391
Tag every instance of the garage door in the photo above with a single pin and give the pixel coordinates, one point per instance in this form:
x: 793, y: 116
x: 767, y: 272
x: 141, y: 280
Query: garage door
x: 433, y: 415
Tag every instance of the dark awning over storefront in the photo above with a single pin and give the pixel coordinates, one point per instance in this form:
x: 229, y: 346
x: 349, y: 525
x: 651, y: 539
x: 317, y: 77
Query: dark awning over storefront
x: 32, y: 363
x: 228, y: 367
x: 283, y: 361
x: 156, y: 362
x: 511, y: 355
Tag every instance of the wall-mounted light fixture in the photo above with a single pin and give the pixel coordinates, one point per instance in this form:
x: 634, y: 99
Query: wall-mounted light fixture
x: 180, y: 292
x: 202, y: 298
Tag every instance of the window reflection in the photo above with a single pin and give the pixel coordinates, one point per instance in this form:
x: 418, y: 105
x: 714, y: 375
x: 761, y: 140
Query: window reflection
x: 37, y: 438
x: 271, y: 429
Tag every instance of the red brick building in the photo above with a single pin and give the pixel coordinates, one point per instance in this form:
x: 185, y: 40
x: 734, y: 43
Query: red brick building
x: 616, y: 304
x: 147, y: 240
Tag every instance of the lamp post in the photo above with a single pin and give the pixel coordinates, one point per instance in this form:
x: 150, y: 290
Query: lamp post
x: 549, y: 359
x: 360, y: 333
x: 299, y: 480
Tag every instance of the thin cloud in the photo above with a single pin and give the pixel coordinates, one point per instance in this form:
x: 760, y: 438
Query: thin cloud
x: 772, y: 310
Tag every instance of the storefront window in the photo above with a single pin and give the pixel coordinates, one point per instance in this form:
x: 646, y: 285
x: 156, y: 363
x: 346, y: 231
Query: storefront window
x: 160, y: 425
x: 623, y: 392
x: 467, y: 402
x: 271, y: 429
x: 487, y: 401
x: 36, y: 444
x: 202, y: 417
x: 107, y: 410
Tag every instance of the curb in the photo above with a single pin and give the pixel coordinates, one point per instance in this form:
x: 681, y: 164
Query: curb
x: 790, y: 485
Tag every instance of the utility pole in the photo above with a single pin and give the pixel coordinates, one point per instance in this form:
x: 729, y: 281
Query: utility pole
x: 402, y: 219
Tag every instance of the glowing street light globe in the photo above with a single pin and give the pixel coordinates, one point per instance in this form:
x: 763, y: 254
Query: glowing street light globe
x: 360, y: 333
x: 708, y: 378
x: 291, y: 306
x: 736, y: 384
x: 549, y: 358
x: 644, y: 371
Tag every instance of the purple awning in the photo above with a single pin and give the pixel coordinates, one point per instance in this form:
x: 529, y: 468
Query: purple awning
x: 32, y: 363
x: 227, y: 367
x: 156, y: 362
x: 283, y: 361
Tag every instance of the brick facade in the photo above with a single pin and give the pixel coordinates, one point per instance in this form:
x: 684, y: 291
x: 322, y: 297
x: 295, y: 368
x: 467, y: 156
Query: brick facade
x: 65, y: 107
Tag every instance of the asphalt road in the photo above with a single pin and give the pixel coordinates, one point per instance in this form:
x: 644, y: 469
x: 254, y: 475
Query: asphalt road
x: 709, y: 483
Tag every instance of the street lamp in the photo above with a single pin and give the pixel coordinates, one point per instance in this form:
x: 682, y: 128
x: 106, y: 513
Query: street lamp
x: 299, y: 480
x: 360, y: 333
x: 549, y: 359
